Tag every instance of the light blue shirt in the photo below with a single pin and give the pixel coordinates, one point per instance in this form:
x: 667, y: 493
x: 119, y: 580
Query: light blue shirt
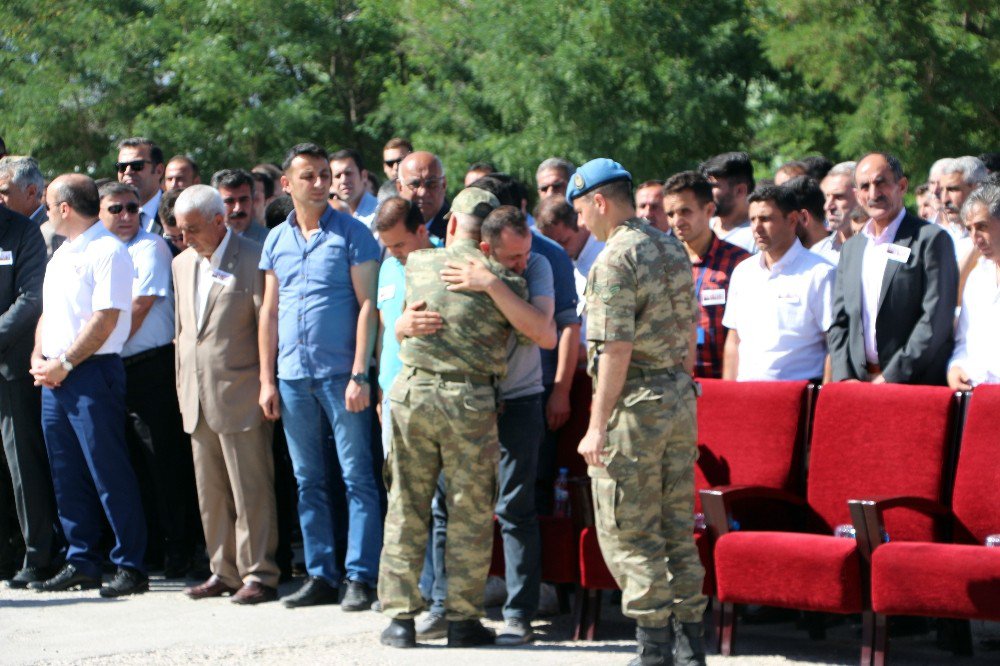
x: 391, y: 296
x: 366, y: 210
x: 317, y: 306
x: 151, y: 258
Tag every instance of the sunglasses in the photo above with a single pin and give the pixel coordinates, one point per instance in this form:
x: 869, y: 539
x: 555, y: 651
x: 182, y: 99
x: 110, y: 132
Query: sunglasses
x: 135, y: 165
x: 392, y: 163
x: 131, y: 207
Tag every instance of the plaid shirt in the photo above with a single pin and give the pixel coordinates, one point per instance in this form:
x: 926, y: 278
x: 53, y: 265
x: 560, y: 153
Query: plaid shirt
x: 712, y: 272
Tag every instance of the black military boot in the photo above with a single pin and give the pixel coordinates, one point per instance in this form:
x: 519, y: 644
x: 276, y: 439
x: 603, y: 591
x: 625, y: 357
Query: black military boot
x: 689, y: 643
x: 400, y: 634
x: 469, y: 633
x: 654, y: 647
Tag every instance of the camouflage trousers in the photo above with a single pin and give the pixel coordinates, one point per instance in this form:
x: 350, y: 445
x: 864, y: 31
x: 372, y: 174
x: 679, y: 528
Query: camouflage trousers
x: 439, y: 425
x: 644, y: 501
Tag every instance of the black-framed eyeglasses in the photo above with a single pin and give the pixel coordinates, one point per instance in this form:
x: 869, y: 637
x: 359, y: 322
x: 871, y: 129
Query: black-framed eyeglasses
x: 135, y: 165
x: 426, y: 183
x: 131, y: 207
x: 393, y: 163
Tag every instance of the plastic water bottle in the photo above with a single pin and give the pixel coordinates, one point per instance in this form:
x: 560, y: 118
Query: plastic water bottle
x: 992, y: 541
x: 561, y: 507
x: 699, y: 522
x: 845, y: 531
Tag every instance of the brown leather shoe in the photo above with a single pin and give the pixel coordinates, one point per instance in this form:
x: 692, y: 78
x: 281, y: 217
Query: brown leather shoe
x: 213, y: 587
x: 254, y: 593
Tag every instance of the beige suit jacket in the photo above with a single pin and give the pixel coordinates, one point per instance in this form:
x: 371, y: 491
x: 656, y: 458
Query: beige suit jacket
x: 218, y: 367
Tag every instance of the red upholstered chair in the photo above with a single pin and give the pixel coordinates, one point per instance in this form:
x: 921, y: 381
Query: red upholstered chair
x: 866, y: 441
x: 960, y: 579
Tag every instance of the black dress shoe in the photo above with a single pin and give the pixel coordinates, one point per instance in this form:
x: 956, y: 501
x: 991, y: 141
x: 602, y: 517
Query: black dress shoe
x: 358, y: 597
x: 28, y: 575
x: 469, y: 633
x: 315, y: 592
x: 400, y: 634
x: 126, y: 581
x: 66, y: 579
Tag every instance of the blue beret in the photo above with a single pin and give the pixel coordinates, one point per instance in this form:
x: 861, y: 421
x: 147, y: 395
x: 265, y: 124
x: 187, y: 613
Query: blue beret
x: 595, y: 173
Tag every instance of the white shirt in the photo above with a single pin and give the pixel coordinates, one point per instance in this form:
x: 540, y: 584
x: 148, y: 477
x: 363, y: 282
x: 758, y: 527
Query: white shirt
x: 829, y: 248
x: 977, y: 345
x: 781, y: 314
x: 366, y: 210
x: 150, y: 210
x: 873, y: 264
x: 151, y: 258
x: 205, y: 278
x: 740, y: 235
x: 591, y: 249
x: 92, y: 272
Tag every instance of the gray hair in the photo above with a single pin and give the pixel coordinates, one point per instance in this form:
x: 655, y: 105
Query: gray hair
x: 988, y: 196
x: 555, y: 163
x: 22, y: 171
x: 202, y: 198
x: 939, y: 167
x: 843, y: 169
x: 972, y: 169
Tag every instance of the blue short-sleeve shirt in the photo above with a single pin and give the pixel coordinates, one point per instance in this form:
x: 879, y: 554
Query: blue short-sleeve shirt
x: 317, y: 306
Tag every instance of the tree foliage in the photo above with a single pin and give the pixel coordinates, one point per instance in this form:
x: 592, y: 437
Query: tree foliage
x: 656, y: 85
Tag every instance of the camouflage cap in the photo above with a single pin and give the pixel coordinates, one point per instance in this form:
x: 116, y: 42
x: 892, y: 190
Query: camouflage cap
x: 474, y: 201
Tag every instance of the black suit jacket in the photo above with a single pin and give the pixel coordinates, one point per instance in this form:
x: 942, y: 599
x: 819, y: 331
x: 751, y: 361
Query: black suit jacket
x: 914, y: 328
x: 20, y: 292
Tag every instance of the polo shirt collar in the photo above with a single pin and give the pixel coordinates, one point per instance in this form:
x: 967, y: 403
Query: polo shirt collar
x: 789, y: 258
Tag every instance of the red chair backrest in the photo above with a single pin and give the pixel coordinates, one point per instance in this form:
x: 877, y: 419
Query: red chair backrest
x: 877, y: 441
x: 976, y: 498
x: 749, y: 434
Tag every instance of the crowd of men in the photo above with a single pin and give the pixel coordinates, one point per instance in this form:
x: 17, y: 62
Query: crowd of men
x: 185, y: 367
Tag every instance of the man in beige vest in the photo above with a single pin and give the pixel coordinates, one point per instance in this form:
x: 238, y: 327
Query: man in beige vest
x: 218, y: 291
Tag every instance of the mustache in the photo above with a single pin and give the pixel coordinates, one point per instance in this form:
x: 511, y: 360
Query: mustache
x: 950, y: 207
x: 238, y: 216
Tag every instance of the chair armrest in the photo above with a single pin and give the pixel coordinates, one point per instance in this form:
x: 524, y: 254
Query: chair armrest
x: 866, y: 514
x: 718, y: 503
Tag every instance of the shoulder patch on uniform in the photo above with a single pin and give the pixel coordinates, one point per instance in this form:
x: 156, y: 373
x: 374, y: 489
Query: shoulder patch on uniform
x: 607, y: 292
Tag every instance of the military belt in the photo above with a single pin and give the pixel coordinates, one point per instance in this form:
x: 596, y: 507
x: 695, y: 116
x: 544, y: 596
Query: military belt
x: 460, y: 377
x: 649, y: 373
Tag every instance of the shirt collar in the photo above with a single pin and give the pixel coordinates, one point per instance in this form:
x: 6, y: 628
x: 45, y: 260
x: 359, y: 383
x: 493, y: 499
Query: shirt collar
x: 37, y: 210
x: 216, y: 259
x: 93, y: 231
x: 152, y: 207
x: 324, y: 221
x: 886, y: 236
x: 786, y: 260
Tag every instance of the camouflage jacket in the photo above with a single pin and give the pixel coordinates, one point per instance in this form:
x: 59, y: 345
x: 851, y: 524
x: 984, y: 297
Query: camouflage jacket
x: 473, y: 339
x: 640, y: 290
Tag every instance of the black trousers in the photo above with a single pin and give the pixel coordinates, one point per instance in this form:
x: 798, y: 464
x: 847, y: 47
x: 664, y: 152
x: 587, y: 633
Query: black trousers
x: 161, y: 452
x: 27, y: 502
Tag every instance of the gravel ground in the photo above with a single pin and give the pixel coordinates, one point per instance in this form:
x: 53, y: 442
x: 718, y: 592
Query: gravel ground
x: 164, y: 627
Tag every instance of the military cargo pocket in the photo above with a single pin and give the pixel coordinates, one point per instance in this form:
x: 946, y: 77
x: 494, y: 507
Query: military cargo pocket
x: 480, y: 401
x: 399, y: 390
x: 609, y: 489
x: 643, y: 395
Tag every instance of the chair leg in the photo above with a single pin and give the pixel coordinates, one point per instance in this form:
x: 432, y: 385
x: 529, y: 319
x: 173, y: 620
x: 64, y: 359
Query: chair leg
x: 881, y: 642
x: 727, y: 634
x: 957, y: 635
x: 867, y: 636
x: 716, y: 636
x: 815, y: 625
x: 595, y: 614
x: 579, y: 613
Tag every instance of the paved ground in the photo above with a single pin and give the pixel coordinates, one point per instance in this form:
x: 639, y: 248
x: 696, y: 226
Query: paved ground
x: 163, y: 627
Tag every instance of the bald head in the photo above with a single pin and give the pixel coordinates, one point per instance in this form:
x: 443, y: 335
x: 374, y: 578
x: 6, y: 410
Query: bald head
x: 422, y: 182
x: 73, y: 204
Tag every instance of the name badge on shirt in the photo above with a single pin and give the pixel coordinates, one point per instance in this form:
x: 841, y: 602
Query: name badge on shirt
x: 6, y: 258
x: 897, y: 252
x: 221, y: 277
x: 790, y: 299
x: 713, y: 297
x: 386, y: 292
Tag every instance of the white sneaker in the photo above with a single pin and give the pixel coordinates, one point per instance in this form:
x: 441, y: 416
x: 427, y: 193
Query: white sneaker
x: 548, y: 601
x: 515, y: 632
x: 496, y: 592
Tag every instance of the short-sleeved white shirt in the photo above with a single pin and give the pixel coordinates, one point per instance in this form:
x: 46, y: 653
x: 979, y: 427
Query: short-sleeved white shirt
x: 591, y: 249
x: 93, y: 272
x: 781, y: 315
x: 976, y: 348
x: 151, y: 258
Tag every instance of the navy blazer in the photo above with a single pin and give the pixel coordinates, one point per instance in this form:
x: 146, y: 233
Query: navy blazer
x: 914, y: 328
x: 20, y: 291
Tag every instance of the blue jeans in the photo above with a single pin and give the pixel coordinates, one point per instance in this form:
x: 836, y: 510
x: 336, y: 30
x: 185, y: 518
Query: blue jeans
x: 303, y: 404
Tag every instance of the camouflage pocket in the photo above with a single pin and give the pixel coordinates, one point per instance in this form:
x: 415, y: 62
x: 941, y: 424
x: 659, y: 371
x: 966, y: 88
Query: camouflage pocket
x: 399, y: 390
x: 480, y: 401
x: 654, y: 393
x: 609, y: 488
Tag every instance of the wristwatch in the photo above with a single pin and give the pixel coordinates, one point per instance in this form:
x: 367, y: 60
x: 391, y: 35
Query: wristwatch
x: 359, y: 378
x: 66, y: 365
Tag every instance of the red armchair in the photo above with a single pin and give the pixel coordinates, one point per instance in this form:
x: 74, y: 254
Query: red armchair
x: 866, y: 441
x: 959, y: 579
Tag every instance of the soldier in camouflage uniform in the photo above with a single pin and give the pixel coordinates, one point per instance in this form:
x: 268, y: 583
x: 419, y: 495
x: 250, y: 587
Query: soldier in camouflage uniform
x: 444, y: 410
x: 640, y: 444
